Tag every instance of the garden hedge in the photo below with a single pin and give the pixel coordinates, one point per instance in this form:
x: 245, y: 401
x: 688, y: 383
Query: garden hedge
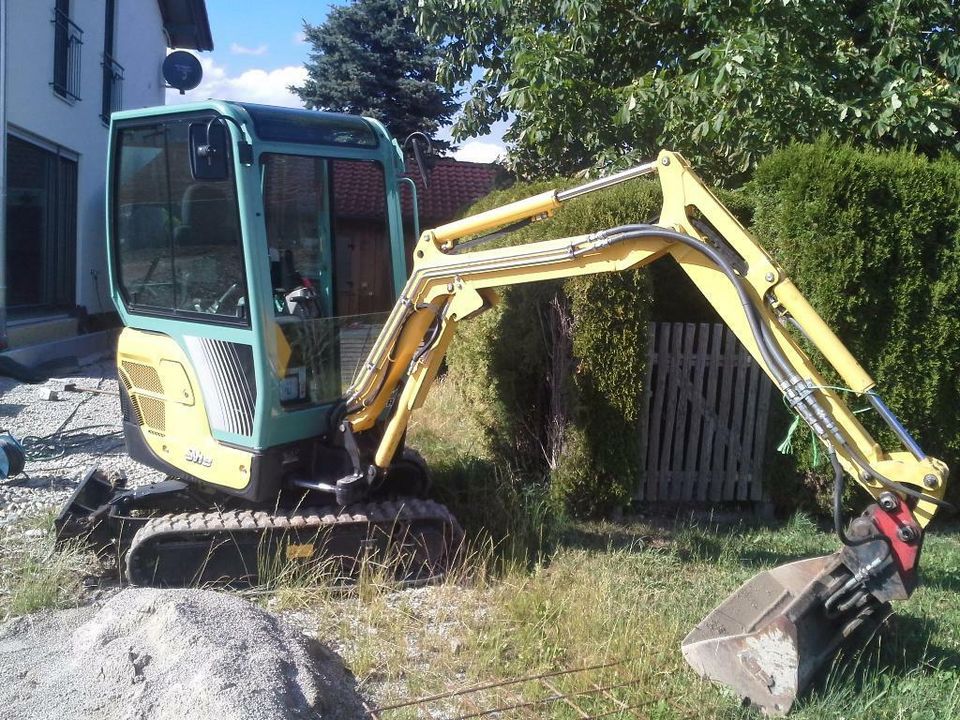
x: 554, y: 372
x: 873, y: 240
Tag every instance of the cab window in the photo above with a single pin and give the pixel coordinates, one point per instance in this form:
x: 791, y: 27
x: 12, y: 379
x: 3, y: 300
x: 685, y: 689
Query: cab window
x: 177, y: 239
x: 329, y: 248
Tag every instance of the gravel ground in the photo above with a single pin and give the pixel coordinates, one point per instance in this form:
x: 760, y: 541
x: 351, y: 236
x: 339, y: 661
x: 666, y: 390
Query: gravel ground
x: 63, y: 438
x: 98, y: 648
x: 169, y: 654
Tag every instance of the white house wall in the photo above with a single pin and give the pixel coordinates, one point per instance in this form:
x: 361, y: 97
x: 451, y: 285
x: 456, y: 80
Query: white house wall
x: 36, y: 113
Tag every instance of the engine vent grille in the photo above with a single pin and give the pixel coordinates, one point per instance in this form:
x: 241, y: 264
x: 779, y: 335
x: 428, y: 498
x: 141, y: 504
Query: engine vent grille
x: 150, y: 410
x: 143, y: 377
x: 153, y: 413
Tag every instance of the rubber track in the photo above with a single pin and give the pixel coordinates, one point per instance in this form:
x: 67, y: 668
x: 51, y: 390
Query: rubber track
x: 309, y: 520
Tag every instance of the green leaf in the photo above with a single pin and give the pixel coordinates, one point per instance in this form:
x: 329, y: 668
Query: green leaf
x: 781, y: 71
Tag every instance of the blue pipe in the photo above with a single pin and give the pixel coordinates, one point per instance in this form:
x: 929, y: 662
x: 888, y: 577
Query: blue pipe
x: 894, y: 422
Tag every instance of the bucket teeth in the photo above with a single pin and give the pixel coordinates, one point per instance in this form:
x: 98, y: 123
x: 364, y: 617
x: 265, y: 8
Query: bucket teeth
x: 768, y: 639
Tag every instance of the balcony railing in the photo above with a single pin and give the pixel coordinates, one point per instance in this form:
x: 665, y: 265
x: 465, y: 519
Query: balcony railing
x: 112, y: 87
x: 68, y: 39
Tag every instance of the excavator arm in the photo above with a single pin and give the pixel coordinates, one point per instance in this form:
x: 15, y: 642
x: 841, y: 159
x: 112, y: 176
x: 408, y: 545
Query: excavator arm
x: 753, y: 641
x: 747, y: 288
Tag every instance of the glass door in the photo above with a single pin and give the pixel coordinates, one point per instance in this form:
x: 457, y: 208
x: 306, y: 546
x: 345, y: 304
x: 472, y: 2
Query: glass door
x: 41, y: 232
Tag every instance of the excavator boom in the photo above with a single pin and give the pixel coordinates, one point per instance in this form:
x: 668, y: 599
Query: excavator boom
x: 767, y: 640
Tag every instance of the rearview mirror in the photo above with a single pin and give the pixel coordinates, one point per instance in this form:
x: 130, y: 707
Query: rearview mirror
x: 417, y: 140
x: 208, y: 150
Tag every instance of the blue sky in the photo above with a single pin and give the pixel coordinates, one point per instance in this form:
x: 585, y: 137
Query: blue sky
x: 259, y: 51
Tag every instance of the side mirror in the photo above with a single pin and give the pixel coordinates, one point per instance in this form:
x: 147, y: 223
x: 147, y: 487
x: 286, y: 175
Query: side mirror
x: 208, y: 150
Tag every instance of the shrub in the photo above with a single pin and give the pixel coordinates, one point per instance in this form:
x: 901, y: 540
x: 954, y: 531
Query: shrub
x: 554, y: 371
x: 873, y: 240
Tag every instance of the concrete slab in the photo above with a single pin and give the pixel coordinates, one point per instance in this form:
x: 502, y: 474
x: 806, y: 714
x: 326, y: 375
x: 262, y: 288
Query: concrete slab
x: 84, y: 349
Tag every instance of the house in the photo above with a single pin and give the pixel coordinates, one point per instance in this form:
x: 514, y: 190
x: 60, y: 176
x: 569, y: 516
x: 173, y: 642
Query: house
x: 452, y: 186
x: 65, y: 65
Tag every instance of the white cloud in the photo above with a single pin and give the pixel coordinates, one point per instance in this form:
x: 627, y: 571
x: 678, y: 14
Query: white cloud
x: 238, y: 49
x: 479, y: 151
x: 299, y: 37
x: 268, y: 87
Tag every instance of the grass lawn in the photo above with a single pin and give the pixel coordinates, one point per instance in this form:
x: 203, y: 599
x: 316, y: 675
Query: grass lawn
x: 627, y: 594
x: 624, y: 594
x: 621, y: 596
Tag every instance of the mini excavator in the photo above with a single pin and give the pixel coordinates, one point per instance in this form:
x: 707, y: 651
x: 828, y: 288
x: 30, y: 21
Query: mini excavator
x: 275, y: 344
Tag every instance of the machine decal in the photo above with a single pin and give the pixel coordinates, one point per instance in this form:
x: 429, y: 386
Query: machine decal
x: 225, y: 371
x: 195, y: 456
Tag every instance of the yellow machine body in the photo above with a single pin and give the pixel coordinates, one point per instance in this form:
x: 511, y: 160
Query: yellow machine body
x: 191, y: 408
x: 167, y: 403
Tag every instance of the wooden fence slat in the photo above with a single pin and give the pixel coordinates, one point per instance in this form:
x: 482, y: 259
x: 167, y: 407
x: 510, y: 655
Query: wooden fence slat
x: 684, y: 396
x: 669, y: 431
x: 710, y: 420
x: 645, y: 409
x: 757, y: 491
x: 734, y: 449
x: 691, y: 476
x: 720, y: 440
x: 660, y: 389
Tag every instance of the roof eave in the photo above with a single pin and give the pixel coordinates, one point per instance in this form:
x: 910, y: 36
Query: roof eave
x: 186, y: 25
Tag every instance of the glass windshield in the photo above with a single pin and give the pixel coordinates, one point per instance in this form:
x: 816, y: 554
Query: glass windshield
x: 310, y: 127
x: 177, y: 240
x: 328, y: 241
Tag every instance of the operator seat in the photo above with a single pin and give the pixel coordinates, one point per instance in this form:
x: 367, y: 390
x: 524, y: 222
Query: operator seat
x: 208, y: 255
x: 208, y: 217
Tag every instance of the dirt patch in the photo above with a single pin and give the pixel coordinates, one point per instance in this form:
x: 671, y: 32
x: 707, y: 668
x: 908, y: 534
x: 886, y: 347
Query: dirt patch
x: 169, y: 654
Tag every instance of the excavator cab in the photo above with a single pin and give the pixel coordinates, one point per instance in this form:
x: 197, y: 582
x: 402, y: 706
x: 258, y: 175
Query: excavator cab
x: 254, y: 253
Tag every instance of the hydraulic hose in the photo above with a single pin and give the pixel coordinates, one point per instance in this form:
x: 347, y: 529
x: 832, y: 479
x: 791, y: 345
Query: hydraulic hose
x: 772, y: 354
x: 839, y: 482
x: 774, y: 359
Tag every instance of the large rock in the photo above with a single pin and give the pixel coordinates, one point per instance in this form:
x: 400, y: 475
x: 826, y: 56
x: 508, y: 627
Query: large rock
x: 150, y: 654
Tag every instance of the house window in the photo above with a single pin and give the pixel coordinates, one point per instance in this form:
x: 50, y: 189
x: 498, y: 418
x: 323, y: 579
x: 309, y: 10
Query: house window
x: 68, y: 39
x: 41, y: 228
x: 112, y: 98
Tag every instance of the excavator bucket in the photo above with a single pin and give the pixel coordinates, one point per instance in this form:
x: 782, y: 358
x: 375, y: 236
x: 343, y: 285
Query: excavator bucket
x: 767, y: 640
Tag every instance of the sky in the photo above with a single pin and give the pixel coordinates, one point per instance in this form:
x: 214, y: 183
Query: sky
x: 259, y: 51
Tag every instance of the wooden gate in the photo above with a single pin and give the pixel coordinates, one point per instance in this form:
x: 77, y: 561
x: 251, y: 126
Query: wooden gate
x: 706, y: 404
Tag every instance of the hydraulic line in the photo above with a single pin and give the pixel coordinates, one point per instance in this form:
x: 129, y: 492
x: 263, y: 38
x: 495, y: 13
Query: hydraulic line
x: 806, y: 404
x: 778, y: 366
x: 839, y: 482
x: 428, y: 343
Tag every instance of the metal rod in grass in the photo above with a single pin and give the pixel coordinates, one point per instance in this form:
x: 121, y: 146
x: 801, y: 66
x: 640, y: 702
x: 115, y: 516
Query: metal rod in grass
x: 500, y: 683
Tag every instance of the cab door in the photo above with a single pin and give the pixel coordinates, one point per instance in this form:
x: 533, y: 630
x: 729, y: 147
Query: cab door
x: 179, y: 279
